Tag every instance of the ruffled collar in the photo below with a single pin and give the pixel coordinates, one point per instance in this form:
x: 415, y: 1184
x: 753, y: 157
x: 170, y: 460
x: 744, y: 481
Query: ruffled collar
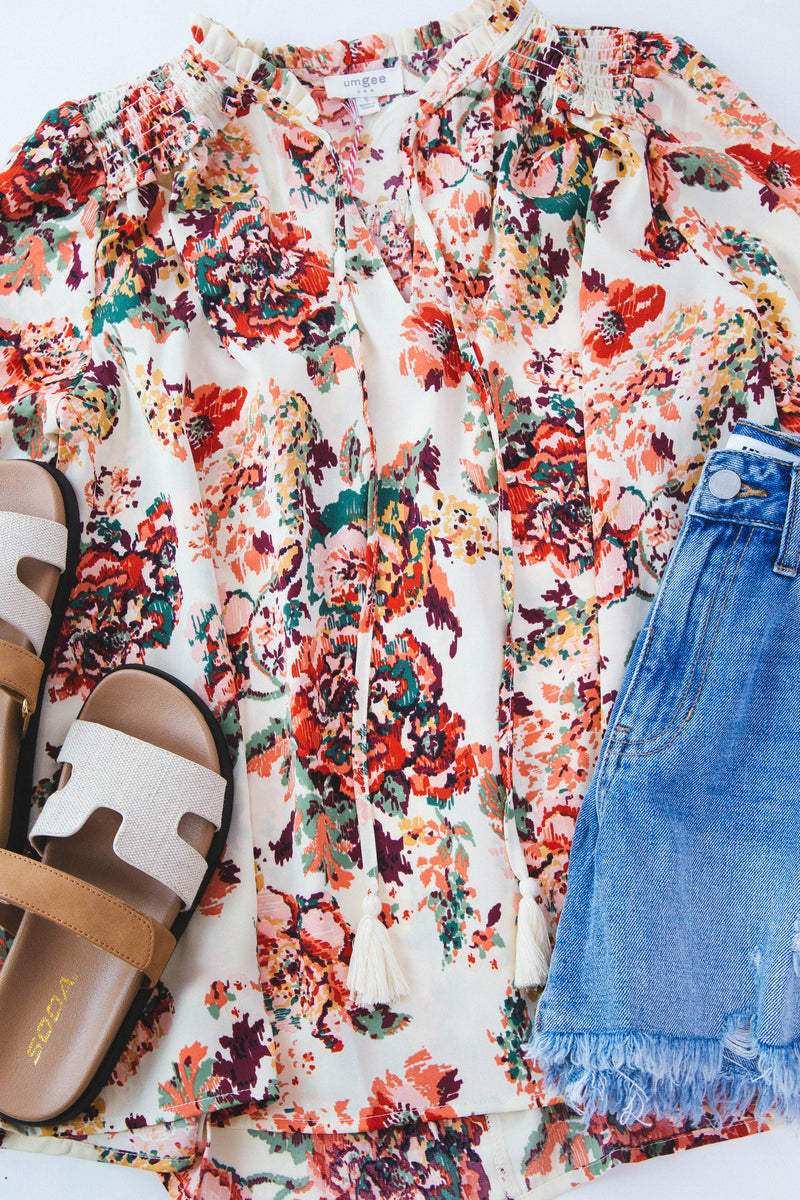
x: 469, y: 40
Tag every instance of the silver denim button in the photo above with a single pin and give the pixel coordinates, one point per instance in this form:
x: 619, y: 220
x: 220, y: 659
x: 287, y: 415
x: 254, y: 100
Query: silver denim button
x: 724, y: 484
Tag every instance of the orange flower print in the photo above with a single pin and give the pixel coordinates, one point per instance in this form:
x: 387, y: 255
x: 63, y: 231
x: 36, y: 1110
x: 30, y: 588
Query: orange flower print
x: 217, y: 996
x: 612, y: 312
x: 432, y: 354
x: 192, y: 1083
x: 778, y: 170
x: 425, y: 1089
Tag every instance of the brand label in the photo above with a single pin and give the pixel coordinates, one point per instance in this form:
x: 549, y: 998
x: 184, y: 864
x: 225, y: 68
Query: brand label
x: 388, y: 81
x: 48, y: 1019
x: 751, y: 445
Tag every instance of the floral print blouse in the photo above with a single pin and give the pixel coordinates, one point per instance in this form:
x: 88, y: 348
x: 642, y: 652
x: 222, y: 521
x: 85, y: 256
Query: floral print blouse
x: 383, y: 415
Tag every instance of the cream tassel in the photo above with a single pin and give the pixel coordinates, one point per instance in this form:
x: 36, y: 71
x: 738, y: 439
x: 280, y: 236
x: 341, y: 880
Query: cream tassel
x: 533, y: 940
x: 374, y: 975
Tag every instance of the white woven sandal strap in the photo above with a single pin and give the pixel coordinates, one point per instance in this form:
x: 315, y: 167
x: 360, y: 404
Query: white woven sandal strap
x: 151, y: 788
x: 26, y: 536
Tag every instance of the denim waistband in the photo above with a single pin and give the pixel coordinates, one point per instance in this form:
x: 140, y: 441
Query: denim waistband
x: 752, y: 488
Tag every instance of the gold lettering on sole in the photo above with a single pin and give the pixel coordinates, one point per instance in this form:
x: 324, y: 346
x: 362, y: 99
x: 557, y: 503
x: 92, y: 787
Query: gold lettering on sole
x: 44, y: 1028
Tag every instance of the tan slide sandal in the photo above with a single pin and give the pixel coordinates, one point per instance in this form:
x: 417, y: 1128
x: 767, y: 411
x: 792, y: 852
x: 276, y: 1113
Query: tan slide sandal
x: 39, y: 539
x: 129, y: 841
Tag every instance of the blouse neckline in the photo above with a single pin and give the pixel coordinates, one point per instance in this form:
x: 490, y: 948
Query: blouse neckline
x: 472, y: 38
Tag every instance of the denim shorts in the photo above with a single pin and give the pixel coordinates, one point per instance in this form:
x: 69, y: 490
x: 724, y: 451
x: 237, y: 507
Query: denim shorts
x: 675, y: 980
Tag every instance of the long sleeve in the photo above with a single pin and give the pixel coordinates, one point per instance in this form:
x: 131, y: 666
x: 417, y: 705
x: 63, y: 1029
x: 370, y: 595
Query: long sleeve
x: 50, y: 194
x: 94, y: 366
x: 729, y: 180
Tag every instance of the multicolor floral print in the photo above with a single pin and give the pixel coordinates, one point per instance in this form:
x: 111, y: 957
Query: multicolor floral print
x: 280, y: 277
x: 383, y: 427
x: 520, y: 1154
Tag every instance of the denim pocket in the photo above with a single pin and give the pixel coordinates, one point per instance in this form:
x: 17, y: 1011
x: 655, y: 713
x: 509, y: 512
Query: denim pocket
x: 689, y: 623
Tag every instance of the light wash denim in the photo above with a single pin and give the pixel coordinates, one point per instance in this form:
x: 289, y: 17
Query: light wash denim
x: 675, y: 979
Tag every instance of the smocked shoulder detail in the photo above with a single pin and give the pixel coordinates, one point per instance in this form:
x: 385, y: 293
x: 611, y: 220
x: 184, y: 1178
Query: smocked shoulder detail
x: 589, y: 70
x: 145, y: 128
x: 597, y: 70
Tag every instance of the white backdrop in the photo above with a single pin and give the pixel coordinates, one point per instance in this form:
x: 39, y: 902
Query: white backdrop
x: 51, y: 51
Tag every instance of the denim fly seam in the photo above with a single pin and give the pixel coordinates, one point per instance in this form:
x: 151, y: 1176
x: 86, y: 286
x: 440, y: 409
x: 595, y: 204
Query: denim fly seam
x: 675, y: 980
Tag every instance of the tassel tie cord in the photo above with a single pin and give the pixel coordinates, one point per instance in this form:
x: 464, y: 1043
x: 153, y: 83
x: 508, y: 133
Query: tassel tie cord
x: 533, y: 940
x: 374, y: 975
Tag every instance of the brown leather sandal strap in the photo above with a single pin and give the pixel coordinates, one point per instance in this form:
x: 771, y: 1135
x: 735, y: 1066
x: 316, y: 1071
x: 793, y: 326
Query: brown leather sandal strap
x: 10, y: 917
x: 88, y: 911
x: 20, y: 676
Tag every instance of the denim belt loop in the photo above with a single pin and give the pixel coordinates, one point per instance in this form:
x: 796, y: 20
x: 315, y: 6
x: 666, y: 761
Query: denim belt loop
x: 788, y: 559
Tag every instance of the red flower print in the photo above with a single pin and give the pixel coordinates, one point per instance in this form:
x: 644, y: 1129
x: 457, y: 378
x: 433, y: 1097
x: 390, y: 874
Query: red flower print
x: 548, y: 494
x: 322, y: 706
x: 432, y: 355
x: 407, y: 1160
x: 778, y: 170
x: 416, y: 742
x: 440, y: 765
x: 126, y: 599
x: 222, y: 882
x: 42, y: 358
x: 663, y: 240
x: 259, y: 277
x: 207, y: 411
x: 405, y: 679
x: 611, y: 313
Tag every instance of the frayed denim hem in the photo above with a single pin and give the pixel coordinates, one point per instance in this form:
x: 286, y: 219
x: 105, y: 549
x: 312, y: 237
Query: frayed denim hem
x: 638, y: 1076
